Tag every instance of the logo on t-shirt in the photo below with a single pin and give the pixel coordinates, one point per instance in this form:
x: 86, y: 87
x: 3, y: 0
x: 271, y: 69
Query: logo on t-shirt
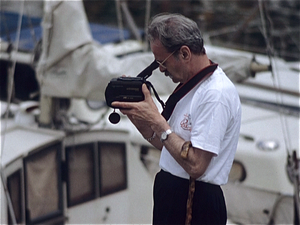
x: 186, y: 122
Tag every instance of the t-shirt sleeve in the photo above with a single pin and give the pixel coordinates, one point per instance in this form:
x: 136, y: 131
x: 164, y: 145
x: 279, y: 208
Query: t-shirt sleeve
x: 210, y: 118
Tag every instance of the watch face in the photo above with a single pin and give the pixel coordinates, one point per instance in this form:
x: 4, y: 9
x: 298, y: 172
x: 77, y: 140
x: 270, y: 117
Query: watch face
x: 164, y: 136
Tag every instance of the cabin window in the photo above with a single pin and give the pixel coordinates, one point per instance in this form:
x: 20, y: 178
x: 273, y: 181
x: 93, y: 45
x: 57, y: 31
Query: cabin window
x: 237, y: 172
x: 43, y: 186
x: 81, y: 170
x: 112, y: 163
x: 14, y: 189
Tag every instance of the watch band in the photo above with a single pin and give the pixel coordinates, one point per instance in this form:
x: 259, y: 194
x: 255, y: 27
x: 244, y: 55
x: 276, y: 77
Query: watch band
x: 151, y: 138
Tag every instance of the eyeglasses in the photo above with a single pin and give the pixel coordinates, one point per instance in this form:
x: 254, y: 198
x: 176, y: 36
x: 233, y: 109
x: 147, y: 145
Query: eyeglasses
x: 162, y: 63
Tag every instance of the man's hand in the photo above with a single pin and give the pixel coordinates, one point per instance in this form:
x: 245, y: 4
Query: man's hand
x: 144, y: 111
x: 145, y: 116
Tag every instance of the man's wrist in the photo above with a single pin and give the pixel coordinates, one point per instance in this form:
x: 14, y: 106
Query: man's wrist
x: 151, y: 138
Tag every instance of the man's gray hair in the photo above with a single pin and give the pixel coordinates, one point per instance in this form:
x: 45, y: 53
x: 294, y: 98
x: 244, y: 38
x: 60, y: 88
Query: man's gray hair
x: 174, y: 31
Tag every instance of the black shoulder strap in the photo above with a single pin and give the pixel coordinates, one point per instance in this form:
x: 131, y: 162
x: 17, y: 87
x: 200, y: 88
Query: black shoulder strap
x: 182, y: 89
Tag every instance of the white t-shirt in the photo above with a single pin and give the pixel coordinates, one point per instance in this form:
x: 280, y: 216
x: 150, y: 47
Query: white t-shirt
x: 210, y: 117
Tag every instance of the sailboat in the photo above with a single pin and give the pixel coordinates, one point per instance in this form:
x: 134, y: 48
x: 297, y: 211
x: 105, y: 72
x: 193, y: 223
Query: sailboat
x: 63, y: 162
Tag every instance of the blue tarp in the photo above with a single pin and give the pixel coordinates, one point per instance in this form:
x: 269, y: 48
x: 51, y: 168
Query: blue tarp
x: 31, y: 31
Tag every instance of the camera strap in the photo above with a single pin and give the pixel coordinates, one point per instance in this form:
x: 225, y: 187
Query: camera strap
x: 156, y: 94
x: 182, y: 89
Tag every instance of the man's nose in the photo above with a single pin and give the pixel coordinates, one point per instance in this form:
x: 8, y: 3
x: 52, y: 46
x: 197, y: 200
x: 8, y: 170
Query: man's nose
x: 162, y: 68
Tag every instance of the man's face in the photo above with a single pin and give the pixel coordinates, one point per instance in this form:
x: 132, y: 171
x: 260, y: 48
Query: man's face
x: 169, y: 65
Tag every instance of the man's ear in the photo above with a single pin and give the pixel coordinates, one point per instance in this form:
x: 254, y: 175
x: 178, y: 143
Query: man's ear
x: 185, y: 52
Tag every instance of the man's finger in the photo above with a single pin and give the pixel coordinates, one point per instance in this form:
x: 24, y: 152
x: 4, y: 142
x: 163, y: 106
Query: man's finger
x: 146, y: 91
x: 123, y: 105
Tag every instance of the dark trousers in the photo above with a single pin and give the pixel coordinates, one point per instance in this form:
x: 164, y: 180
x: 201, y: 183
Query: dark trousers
x: 170, y: 198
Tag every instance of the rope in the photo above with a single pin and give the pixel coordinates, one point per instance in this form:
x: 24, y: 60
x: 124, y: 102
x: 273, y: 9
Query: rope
x: 283, y: 120
x: 276, y: 83
x: 9, y: 97
x: 147, y: 18
x: 11, y: 74
x: 120, y: 21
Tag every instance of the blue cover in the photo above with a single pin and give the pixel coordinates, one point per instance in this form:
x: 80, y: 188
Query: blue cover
x: 31, y: 31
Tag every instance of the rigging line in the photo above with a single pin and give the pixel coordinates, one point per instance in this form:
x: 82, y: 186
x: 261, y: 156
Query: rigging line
x: 120, y: 21
x: 289, y: 31
x: 9, y: 97
x: 11, y: 74
x: 147, y: 18
x: 32, y: 32
x: 276, y: 84
x: 279, y: 96
x: 130, y: 20
x: 3, y: 17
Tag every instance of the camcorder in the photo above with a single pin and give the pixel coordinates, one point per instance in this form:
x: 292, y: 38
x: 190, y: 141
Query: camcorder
x: 128, y: 89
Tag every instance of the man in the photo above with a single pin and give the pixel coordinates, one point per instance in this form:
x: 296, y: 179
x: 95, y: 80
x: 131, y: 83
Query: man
x: 203, y: 122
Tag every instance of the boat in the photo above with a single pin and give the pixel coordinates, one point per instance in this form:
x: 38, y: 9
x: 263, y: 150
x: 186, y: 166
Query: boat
x: 78, y: 168
x: 63, y: 162
x: 261, y: 187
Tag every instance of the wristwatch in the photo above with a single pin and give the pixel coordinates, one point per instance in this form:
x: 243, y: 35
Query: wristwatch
x: 165, y: 134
